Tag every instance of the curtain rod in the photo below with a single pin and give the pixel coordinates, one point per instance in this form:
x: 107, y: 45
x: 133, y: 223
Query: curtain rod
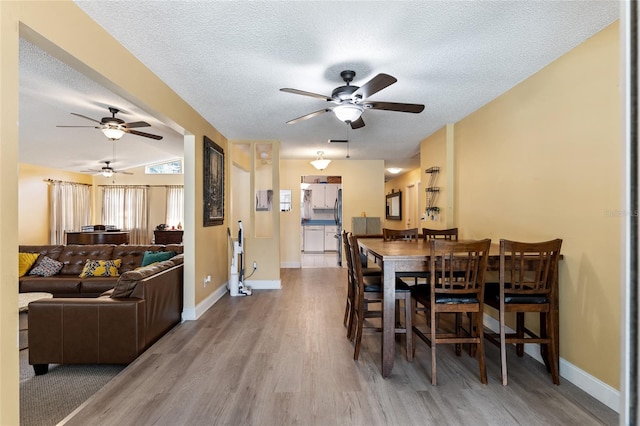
x: 65, y: 181
x: 146, y: 186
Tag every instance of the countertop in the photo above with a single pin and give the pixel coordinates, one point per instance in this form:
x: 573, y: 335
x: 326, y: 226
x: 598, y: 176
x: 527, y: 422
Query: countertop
x: 318, y: 222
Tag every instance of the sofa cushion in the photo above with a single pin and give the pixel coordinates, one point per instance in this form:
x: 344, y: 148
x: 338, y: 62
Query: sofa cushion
x: 131, y: 255
x: 47, y: 267
x: 101, y: 268
x: 178, y: 248
x: 52, y: 251
x: 128, y: 280
x: 75, y: 256
x: 97, y: 285
x: 25, y: 262
x: 158, y: 256
x: 57, y: 285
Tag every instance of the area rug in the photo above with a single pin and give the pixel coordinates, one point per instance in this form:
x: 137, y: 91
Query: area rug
x: 48, y: 399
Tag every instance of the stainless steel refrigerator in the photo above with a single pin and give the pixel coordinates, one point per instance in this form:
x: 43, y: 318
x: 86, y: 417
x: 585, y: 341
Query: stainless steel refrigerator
x: 337, y: 215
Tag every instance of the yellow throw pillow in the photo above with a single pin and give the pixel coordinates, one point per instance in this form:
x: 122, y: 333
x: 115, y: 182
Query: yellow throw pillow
x: 25, y: 262
x: 101, y: 268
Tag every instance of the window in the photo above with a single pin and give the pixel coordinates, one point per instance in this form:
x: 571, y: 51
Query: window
x: 168, y: 168
x: 285, y: 200
x: 175, y: 204
x: 125, y: 207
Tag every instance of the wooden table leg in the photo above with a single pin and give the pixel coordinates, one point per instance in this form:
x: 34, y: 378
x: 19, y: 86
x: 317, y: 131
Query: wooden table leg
x: 388, y: 317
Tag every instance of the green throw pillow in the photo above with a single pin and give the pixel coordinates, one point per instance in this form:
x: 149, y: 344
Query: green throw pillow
x: 156, y: 256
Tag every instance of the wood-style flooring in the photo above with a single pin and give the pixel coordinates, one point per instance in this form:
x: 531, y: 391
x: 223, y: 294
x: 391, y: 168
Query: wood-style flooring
x: 281, y: 357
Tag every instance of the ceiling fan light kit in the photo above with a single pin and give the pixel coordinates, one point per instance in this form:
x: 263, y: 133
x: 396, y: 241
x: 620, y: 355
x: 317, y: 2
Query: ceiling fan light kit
x: 113, y: 132
x: 320, y: 163
x: 351, y: 101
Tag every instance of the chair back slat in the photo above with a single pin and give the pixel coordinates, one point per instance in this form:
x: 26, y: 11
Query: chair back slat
x: 444, y: 234
x: 529, y: 268
x: 458, y: 267
x: 400, y: 234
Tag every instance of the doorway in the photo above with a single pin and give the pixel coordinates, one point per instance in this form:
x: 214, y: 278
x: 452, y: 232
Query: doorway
x: 411, y: 206
x: 321, y: 221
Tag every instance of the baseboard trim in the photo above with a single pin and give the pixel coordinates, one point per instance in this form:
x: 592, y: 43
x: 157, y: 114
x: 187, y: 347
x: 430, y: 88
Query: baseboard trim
x: 193, y: 314
x: 601, y: 391
x: 291, y: 265
x: 264, y: 284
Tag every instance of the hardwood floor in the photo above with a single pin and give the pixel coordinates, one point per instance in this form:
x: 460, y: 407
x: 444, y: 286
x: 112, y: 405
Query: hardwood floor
x: 281, y: 357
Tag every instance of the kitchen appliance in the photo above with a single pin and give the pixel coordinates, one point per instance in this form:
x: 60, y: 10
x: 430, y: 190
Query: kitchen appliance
x: 337, y: 215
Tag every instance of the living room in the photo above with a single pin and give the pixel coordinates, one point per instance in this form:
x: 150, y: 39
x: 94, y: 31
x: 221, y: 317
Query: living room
x: 484, y: 165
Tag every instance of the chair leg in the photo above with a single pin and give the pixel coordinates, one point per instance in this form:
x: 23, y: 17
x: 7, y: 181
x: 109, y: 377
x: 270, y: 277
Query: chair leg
x: 479, y: 333
x: 520, y: 333
x: 433, y: 347
x: 414, y: 306
x: 358, y: 335
x: 350, y: 323
x: 544, y: 348
x: 554, y: 355
x: 408, y: 324
x: 503, y: 348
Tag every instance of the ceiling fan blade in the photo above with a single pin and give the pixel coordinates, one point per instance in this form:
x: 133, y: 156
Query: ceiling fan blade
x: 393, y: 106
x: 122, y: 172
x: 90, y: 171
x: 307, y: 116
x: 88, y: 118
x: 302, y: 92
x: 94, y: 127
x: 137, y: 124
x: 146, y: 135
x: 374, y: 85
x: 358, y: 123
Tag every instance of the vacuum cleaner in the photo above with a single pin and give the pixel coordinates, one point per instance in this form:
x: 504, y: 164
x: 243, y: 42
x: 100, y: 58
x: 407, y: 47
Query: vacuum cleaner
x: 236, y: 277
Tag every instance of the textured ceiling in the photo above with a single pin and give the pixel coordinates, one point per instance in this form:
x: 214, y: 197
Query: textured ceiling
x: 229, y: 59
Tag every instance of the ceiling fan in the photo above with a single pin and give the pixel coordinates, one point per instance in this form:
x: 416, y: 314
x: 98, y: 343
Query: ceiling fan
x: 107, y: 170
x: 351, y: 101
x: 114, y: 128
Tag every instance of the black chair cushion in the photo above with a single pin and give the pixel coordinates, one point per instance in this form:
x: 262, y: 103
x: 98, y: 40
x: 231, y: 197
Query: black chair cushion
x: 376, y: 287
x: 492, y: 296
x: 422, y: 293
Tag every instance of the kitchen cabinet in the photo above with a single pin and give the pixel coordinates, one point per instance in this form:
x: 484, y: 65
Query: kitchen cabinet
x: 330, y: 240
x: 324, y: 196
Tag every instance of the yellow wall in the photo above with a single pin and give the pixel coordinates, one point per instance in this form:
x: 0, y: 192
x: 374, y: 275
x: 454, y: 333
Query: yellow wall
x: 401, y: 183
x: 542, y: 161
x: 33, y: 200
x: 362, y: 191
x: 73, y: 37
x: 433, y: 153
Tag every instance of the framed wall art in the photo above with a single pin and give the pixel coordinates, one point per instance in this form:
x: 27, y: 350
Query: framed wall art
x: 213, y: 197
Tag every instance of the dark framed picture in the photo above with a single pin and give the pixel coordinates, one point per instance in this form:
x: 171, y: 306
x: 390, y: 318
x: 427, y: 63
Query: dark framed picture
x: 213, y: 183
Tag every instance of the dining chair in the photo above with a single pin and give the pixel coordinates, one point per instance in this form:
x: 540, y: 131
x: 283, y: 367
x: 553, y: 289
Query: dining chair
x: 528, y: 284
x: 365, y: 292
x: 372, y: 276
x: 400, y: 234
x: 456, y: 287
x: 410, y: 235
x: 446, y: 234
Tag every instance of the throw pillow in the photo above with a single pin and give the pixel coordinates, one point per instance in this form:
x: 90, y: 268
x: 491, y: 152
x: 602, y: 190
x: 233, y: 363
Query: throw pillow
x: 25, y: 262
x: 47, y: 267
x: 101, y: 268
x: 156, y: 256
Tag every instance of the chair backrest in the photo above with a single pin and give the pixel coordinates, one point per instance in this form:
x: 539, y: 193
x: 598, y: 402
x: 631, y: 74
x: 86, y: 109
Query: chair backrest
x: 529, y: 268
x: 400, y: 234
x: 445, y: 234
x: 458, y: 267
x: 347, y: 254
x: 358, y: 280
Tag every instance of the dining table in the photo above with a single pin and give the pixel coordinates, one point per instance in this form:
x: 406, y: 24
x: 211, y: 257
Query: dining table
x: 403, y: 256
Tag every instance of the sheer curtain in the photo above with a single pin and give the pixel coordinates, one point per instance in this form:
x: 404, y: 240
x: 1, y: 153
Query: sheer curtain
x: 126, y: 207
x: 175, y: 205
x: 70, y: 209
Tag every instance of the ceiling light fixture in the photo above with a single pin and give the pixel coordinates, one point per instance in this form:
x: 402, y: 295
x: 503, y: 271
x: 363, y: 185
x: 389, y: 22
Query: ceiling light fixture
x: 320, y: 163
x: 348, y: 112
x: 394, y: 170
x: 106, y: 172
x: 113, y: 132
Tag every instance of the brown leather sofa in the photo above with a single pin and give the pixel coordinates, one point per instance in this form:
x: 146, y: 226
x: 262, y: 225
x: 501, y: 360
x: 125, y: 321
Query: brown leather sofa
x: 114, y: 328
x: 68, y: 282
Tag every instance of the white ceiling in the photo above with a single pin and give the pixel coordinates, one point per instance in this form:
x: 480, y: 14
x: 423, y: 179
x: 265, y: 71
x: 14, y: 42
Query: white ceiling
x: 228, y: 59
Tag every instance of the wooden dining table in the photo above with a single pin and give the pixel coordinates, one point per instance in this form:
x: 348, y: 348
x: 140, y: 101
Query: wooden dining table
x: 402, y: 256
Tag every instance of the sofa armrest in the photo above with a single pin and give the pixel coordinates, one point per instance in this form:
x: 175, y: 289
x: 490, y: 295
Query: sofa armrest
x: 86, y: 331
